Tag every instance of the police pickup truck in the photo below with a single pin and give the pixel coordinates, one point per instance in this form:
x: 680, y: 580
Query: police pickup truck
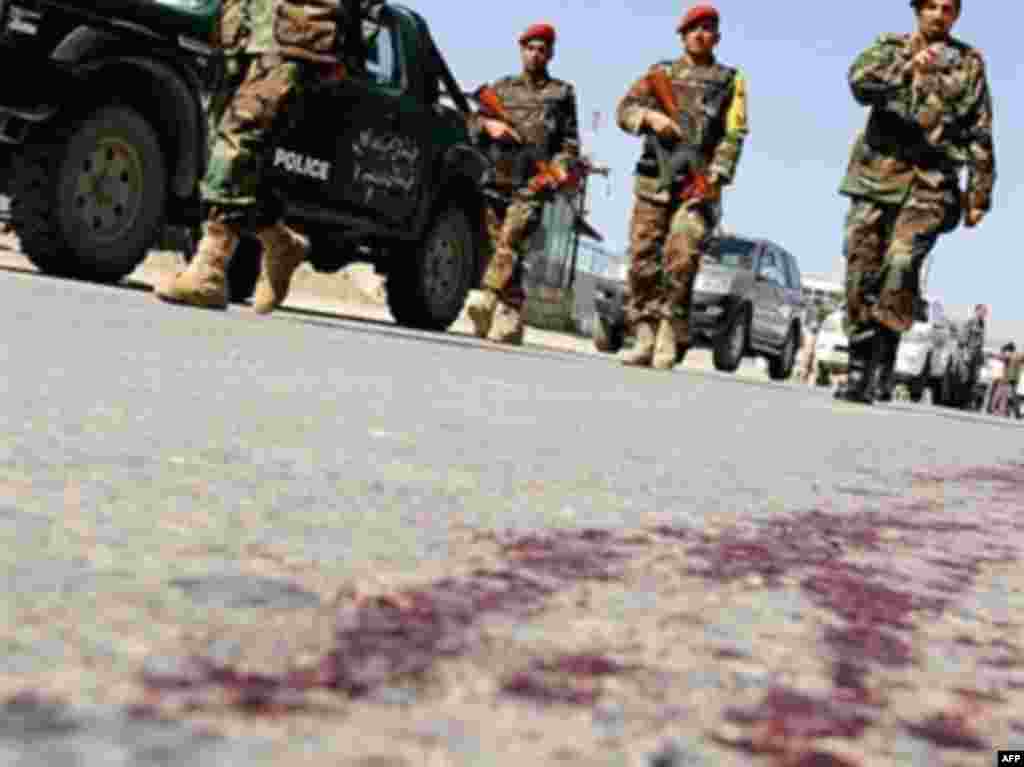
x: 103, y: 143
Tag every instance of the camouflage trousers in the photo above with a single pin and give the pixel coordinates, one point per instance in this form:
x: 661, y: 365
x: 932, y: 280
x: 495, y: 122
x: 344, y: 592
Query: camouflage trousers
x: 665, y: 247
x: 254, y: 114
x: 885, y: 247
x: 235, y: 69
x: 509, y: 229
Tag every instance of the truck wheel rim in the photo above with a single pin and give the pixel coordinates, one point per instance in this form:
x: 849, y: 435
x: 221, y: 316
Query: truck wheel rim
x: 108, y: 190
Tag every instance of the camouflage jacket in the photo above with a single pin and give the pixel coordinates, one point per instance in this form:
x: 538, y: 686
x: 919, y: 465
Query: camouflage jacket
x: 246, y: 26
x: 713, y: 102
x: 305, y: 29
x: 922, y: 129
x: 544, y: 115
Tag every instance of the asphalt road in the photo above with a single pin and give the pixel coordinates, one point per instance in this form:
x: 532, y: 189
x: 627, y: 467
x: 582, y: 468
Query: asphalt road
x: 173, y: 478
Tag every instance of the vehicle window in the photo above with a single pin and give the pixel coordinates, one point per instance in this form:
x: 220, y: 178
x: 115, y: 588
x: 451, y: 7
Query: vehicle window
x: 736, y: 254
x: 382, y: 61
x: 792, y: 272
x: 769, y: 268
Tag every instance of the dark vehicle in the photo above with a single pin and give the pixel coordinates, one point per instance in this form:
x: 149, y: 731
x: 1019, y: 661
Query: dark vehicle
x: 747, y: 301
x: 378, y: 168
x: 102, y: 134
x: 381, y: 168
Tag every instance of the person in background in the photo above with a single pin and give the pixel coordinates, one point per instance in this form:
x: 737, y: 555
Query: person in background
x: 1004, y: 400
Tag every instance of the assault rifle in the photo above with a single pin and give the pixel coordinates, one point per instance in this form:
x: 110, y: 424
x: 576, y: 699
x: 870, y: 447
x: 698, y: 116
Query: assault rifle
x: 683, y: 160
x: 530, y: 164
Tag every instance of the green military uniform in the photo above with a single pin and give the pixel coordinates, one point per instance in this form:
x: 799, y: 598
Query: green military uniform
x: 246, y: 32
x: 270, y: 46
x: 668, y: 233
x: 275, y: 49
x: 902, y: 179
x: 903, y: 170
x: 543, y: 112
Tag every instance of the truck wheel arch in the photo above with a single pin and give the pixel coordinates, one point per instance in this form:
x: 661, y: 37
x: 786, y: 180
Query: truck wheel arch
x: 164, y: 95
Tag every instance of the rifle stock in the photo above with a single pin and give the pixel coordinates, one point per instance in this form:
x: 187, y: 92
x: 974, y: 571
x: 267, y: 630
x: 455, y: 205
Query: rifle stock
x: 682, y: 160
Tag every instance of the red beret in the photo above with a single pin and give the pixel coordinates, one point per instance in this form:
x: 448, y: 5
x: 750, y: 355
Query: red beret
x: 544, y: 32
x: 696, y: 15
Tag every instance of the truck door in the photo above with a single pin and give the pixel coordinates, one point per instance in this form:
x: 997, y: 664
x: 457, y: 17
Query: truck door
x: 767, y: 297
x: 369, y: 130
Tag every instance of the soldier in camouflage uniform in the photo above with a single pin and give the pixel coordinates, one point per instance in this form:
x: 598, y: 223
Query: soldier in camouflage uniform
x: 544, y: 125
x: 670, y: 228
x: 931, y: 115
x: 275, y: 48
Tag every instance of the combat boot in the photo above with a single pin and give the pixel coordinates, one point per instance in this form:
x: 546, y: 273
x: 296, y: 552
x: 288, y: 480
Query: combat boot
x: 643, y: 346
x: 204, y: 283
x: 480, y: 308
x: 889, y: 341
x: 859, y: 386
x: 665, y: 347
x: 507, y: 325
x: 283, y: 251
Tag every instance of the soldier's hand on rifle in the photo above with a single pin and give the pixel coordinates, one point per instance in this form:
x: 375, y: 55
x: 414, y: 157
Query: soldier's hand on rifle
x: 500, y: 131
x: 663, y: 125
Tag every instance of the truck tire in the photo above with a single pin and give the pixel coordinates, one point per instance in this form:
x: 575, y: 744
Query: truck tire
x: 731, y: 344
x: 428, y: 290
x: 88, y: 198
x: 780, y: 366
x: 607, y: 338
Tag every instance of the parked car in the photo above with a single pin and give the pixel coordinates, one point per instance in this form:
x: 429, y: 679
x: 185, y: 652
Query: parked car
x: 747, y: 301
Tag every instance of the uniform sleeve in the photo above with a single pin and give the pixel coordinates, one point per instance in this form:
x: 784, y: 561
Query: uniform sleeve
x: 569, y: 127
x: 633, y: 106
x: 727, y: 153
x: 877, y: 78
x: 981, y: 160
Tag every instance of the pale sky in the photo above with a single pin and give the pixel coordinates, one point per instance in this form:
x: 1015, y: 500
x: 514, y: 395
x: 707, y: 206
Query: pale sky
x: 802, y: 116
